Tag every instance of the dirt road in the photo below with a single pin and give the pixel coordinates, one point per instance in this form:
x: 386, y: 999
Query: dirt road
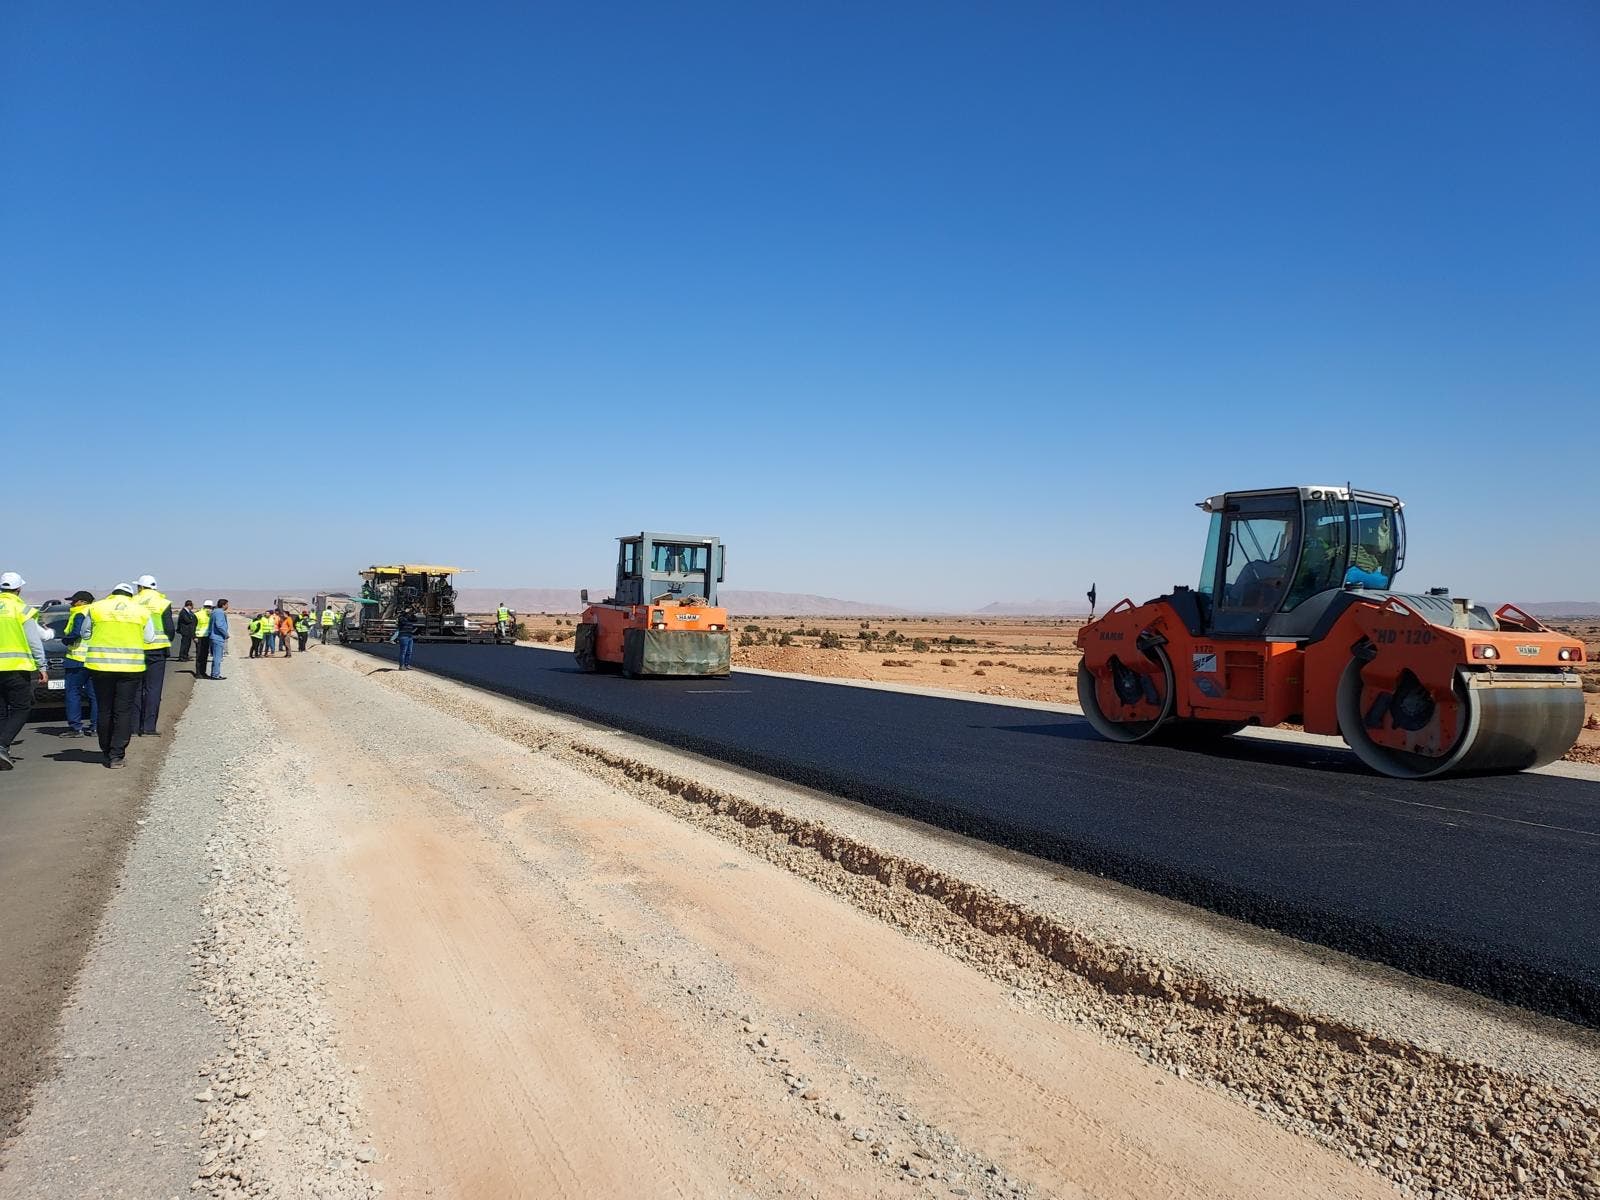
x: 65, y: 824
x: 552, y: 989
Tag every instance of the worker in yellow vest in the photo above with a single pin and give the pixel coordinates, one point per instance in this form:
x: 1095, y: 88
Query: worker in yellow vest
x: 120, y: 630
x: 327, y: 622
x: 302, y: 629
x: 79, y: 683
x: 505, y: 621
x: 22, y: 661
x: 202, y: 638
x: 155, y: 675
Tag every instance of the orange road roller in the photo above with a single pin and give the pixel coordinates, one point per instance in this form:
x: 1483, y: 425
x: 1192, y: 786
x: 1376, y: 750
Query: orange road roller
x: 1295, y: 620
x: 663, y: 617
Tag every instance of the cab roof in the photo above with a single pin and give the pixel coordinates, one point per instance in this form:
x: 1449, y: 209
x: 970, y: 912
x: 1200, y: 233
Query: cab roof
x: 1306, y: 491
x: 412, y: 569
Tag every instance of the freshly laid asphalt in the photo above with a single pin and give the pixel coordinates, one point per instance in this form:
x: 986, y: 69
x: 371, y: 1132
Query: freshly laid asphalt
x: 1489, y: 883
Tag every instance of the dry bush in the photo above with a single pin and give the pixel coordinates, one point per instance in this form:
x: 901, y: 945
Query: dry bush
x: 1591, y: 683
x: 948, y: 662
x: 986, y: 662
x: 542, y: 635
x: 897, y: 662
x: 980, y: 671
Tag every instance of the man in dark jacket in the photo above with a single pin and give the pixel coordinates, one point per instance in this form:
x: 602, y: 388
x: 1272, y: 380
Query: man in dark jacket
x: 186, y: 624
x: 406, y: 632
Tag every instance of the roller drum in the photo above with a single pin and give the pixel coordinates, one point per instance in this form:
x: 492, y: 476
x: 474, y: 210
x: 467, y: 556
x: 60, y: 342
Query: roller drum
x: 1514, y: 722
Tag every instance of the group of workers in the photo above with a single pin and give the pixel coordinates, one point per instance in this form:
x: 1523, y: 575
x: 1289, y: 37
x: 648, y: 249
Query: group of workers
x: 116, y: 661
x: 277, y: 628
x: 117, y: 651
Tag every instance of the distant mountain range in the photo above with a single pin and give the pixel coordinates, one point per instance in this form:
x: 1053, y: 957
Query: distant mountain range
x: 1035, y: 608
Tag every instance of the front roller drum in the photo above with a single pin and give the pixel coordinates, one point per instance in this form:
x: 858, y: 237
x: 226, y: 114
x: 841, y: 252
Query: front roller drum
x: 1506, y: 723
x: 704, y: 654
x: 1129, y: 701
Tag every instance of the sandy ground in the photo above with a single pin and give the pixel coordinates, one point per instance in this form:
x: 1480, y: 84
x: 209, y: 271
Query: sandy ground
x: 554, y: 990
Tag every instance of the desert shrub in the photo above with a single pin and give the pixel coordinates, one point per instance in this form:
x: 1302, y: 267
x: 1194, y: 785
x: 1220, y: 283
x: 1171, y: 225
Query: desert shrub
x: 1591, y: 683
x: 752, y: 629
x: 830, y: 640
x: 948, y: 662
x: 980, y: 671
x: 866, y: 635
x: 746, y: 640
x: 919, y: 646
x: 785, y: 639
x: 897, y: 662
x: 542, y: 635
x: 986, y: 662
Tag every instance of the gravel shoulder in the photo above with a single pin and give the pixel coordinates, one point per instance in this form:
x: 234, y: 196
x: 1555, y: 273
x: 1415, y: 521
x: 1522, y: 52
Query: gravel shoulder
x: 555, y: 989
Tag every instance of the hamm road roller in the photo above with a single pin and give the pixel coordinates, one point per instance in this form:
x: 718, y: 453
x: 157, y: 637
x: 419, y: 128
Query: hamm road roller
x: 663, y: 618
x: 1294, y: 620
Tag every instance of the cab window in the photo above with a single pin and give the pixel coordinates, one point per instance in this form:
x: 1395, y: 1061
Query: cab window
x: 1261, y: 552
x: 1322, y: 557
x: 630, y: 559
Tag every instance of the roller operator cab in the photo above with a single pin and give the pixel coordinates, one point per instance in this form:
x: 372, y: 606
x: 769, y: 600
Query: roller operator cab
x: 663, y: 617
x: 1295, y: 619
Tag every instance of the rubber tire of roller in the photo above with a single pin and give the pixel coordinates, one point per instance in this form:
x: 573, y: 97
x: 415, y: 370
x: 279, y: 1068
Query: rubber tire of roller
x: 1126, y: 731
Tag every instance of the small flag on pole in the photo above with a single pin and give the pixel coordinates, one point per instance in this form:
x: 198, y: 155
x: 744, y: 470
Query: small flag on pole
x: 1092, y: 595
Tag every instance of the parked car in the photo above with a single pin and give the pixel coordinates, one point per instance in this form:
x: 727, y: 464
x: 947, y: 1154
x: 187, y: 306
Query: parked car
x: 53, y: 616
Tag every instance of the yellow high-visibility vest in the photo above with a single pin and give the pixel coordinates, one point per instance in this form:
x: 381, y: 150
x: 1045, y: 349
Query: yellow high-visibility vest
x: 80, y: 648
x: 116, y: 638
x: 202, y: 623
x: 327, y: 616
x: 155, y: 604
x: 15, y: 654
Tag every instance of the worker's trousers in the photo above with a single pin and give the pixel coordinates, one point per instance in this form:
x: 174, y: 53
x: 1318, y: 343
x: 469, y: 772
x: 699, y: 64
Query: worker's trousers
x: 118, y: 693
x: 185, y: 644
x: 202, y: 651
x: 151, y: 683
x: 219, y: 647
x: 80, y: 685
x: 16, y: 700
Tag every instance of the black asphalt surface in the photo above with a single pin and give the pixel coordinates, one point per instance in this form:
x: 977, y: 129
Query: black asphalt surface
x: 1490, y: 883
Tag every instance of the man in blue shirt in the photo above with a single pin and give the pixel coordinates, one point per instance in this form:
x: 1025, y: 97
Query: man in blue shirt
x: 406, y: 630
x: 219, y: 637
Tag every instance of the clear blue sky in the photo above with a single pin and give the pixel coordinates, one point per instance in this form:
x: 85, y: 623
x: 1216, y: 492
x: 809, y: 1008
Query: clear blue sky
x: 924, y: 303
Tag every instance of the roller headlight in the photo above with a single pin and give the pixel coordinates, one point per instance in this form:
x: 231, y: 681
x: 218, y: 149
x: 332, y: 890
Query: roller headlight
x: 1485, y: 652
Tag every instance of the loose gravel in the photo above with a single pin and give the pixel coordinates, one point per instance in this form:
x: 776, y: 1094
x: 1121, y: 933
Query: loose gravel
x: 1438, y: 1121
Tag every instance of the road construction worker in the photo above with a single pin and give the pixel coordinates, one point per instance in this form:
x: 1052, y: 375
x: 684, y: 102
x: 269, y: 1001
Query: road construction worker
x: 285, y: 631
x: 155, y: 675
x: 22, y: 661
x: 258, y: 632
x: 202, y: 639
x: 302, y: 629
x: 327, y: 622
x: 79, y: 683
x: 119, y: 630
x: 504, y: 620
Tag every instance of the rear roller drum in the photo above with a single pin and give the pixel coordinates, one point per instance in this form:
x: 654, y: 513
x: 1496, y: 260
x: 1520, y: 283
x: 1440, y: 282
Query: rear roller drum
x: 1128, y: 705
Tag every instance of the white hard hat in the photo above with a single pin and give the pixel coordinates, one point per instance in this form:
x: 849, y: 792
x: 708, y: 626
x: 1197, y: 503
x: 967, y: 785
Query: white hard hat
x: 125, y: 588
x: 148, y: 581
x: 208, y: 604
x: 11, y: 582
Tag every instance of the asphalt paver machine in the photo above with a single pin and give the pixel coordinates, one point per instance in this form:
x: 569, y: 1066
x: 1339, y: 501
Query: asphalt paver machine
x: 663, y: 617
x: 1294, y: 620
x: 426, y: 589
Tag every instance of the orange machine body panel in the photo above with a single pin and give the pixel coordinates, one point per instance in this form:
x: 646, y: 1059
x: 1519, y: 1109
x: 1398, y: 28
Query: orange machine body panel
x: 1261, y: 681
x: 612, y: 620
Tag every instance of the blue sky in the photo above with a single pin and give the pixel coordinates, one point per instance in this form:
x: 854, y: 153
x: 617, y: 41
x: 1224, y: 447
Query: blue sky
x: 929, y: 304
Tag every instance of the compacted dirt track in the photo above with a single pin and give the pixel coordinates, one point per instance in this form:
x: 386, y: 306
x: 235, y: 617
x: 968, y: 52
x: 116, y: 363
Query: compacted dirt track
x: 550, y: 988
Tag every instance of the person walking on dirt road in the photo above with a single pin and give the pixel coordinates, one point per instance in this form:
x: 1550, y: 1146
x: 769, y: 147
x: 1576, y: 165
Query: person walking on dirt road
x: 80, y: 685
x: 120, y: 630
x: 285, y: 631
x: 22, y: 661
x: 202, y: 639
x: 406, y: 632
x: 302, y: 629
x: 327, y: 624
x: 155, y: 659
x: 185, y: 627
x: 219, y: 637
